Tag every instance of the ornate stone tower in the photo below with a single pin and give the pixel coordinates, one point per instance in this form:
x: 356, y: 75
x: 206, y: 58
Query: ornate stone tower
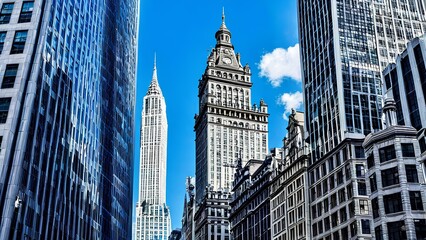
x: 227, y: 127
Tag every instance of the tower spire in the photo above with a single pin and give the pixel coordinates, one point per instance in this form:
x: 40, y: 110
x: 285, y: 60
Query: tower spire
x: 155, y: 60
x: 154, y: 88
x: 223, y: 15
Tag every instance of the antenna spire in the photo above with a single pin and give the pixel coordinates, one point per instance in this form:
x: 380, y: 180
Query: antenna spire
x: 223, y: 15
x: 155, y: 60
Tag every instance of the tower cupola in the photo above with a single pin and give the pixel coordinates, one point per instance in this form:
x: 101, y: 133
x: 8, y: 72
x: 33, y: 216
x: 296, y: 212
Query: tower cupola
x: 223, y: 35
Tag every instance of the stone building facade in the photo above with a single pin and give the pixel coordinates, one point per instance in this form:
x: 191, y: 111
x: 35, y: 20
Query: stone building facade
x: 228, y: 126
x: 396, y: 180
x: 153, y: 220
x: 250, y: 204
x: 288, y: 190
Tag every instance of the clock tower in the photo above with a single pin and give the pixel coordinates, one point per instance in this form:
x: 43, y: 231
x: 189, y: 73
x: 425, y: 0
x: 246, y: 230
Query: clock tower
x: 228, y: 127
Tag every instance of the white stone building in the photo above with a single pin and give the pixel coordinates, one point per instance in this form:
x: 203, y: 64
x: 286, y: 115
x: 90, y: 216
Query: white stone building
x: 152, y: 214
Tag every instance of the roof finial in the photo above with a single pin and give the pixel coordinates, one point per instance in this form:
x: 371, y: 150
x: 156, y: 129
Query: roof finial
x: 223, y: 15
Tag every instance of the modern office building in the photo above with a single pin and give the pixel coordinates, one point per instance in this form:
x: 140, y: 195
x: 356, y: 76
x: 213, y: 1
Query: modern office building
x: 344, y: 46
x: 396, y: 185
x: 67, y: 97
x: 227, y: 126
x: 405, y: 82
x: 250, y: 204
x: 288, y: 189
x: 152, y: 214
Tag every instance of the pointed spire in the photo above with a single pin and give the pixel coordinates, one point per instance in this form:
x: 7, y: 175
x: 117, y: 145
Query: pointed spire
x: 223, y: 15
x: 223, y: 35
x: 154, y: 88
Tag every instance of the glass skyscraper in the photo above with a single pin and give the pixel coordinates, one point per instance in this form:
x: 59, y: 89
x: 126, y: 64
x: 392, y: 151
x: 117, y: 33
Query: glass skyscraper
x: 345, y: 44
x: 152, y: 214
x: 67, y: 95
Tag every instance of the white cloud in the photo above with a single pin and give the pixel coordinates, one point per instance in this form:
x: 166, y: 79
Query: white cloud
x: 281, y: 63
x: 291, y: 101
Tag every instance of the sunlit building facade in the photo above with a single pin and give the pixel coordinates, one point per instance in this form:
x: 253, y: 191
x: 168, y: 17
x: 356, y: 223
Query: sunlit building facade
x: 227, y: 127
x: 152, y: 214
x: 67, y: 96
x: 396, y: 183
x: 345, y: 45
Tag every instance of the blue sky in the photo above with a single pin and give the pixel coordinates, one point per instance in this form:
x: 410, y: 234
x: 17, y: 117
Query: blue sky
x: 182, y: 35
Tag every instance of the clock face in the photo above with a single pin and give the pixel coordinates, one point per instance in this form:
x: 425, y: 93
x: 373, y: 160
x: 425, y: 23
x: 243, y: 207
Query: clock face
x: 226, y: 60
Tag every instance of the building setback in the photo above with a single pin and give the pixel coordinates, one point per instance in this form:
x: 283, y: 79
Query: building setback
x: 396, y: 185
x: 67, y: 85
x: 288, y: 190
x: 152, y: 214
x: 344, y: 46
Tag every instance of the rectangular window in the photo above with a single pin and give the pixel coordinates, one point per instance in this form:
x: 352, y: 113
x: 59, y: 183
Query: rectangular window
x: 331, y: 181
x: 375, y: 207
x: 362, y: 188
x: 411, y: 172
x: 394, y: 231
x: 327, y: 223
x: 365, y: 224
x: 348, y: 171
x: 19, y: 42
x: 351, y: 209
x: 370, y: 161
x: 387, y: 153
x: 6, y: 12
x: 373, y: 182
x: 342, y: 195
x: 392, y: 203
x: 345, y: 233
x: 4, y: 109
x: 354, y: 231
x: 334, y: 219
x: 359, y: 152
x: 363, y: 207
x: 407, y: 150
x: 26, y: 12
x: 390, y: 177
x: 339, y: 177
x: 343, y: 215
x: 360, y: 170
x: 416, y: 200
x: 9, y: 76
x: 326, y: 206
x: 333, y: 200
x: 420, y: 225
x: 2, y: 39
x: 379, y: 232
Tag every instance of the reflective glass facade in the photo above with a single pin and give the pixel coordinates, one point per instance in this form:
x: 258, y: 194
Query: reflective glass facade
x: 405, y: 82
x: 66, y: 158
